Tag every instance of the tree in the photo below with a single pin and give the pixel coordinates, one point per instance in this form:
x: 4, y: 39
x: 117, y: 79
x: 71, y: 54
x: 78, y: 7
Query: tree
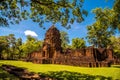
x: 18, y: 49
x: 12, y: 45
x: 110, y: 17
x: 115, y: 44
x: 30, y: 46
x: 78, y: 43
x: 116, y: 12
x: 65, y: 39
x: 12, y: 48
x: 98, y: 34
x: 8, y: 46
x: 3, y: 45
x: 40, y: 11
x: 107, y: 22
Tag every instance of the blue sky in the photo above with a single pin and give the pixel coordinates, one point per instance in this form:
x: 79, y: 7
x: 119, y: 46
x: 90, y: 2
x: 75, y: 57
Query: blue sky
x: 77, y: 30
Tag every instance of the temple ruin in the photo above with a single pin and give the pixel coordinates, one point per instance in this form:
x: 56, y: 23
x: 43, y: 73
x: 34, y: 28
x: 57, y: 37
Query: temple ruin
x: 52, y: 53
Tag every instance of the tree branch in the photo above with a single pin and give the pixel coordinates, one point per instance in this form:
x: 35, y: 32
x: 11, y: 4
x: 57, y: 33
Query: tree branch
x: 49, y: 3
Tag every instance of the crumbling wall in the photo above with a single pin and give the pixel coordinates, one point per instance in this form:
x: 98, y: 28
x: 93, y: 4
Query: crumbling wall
x: 90, y: 51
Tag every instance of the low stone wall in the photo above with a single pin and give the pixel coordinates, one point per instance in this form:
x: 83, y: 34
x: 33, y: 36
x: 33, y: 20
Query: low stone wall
x: 85, y: 64
x: 73, y: 62
x: 117, y: 62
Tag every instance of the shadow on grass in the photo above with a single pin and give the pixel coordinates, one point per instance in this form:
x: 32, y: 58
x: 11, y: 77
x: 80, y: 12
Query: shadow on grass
x: 116, y: 66
x: 6, y: 76
x: 66, y: 75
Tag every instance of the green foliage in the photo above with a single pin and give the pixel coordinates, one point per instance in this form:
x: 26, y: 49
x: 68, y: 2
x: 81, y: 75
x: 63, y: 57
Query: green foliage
x: 98, y: 34
x: 12, y: 45
x: 107, y: 21
x: 12, y: 48
x: 63, y: 11
x: 18, y: 48
x: 109, y: 17
x: 10, y: 12
x: 100, y: 31
x: 65, y: 39
x: 3, y: 44
x: 8, y: 45
x: 30, y: 46
x: 78, y: 43
x: 116, y: 17
x: 115, y: 44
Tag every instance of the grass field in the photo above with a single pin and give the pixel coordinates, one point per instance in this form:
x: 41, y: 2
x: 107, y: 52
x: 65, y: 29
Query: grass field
x: 113, y: 72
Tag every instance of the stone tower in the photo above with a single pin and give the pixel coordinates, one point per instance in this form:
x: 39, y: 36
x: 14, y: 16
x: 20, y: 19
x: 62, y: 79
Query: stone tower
x: 52, y: 43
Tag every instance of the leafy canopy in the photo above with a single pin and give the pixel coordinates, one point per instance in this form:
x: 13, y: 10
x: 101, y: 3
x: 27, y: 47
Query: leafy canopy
x: 107, y: 22
x: 12, y: 48
x: 64, y: 39
x: 100, y: 32
x: 64, y: 11
x: 115, y: 44
x: 78, y: 43
x: 31, y: 45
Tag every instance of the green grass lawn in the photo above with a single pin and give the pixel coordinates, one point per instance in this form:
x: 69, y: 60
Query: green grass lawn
x: 113, y: 72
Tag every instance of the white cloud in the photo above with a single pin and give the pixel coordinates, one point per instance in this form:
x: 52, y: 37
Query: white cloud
x: 31, y: 33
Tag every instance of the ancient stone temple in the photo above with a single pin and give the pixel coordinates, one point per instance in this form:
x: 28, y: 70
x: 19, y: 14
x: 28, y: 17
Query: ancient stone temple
x: 52, y: 43
x: 51, y: 53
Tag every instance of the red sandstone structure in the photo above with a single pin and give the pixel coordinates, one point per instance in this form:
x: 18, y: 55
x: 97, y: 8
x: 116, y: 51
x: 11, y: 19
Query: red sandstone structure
x: 51, y: 53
